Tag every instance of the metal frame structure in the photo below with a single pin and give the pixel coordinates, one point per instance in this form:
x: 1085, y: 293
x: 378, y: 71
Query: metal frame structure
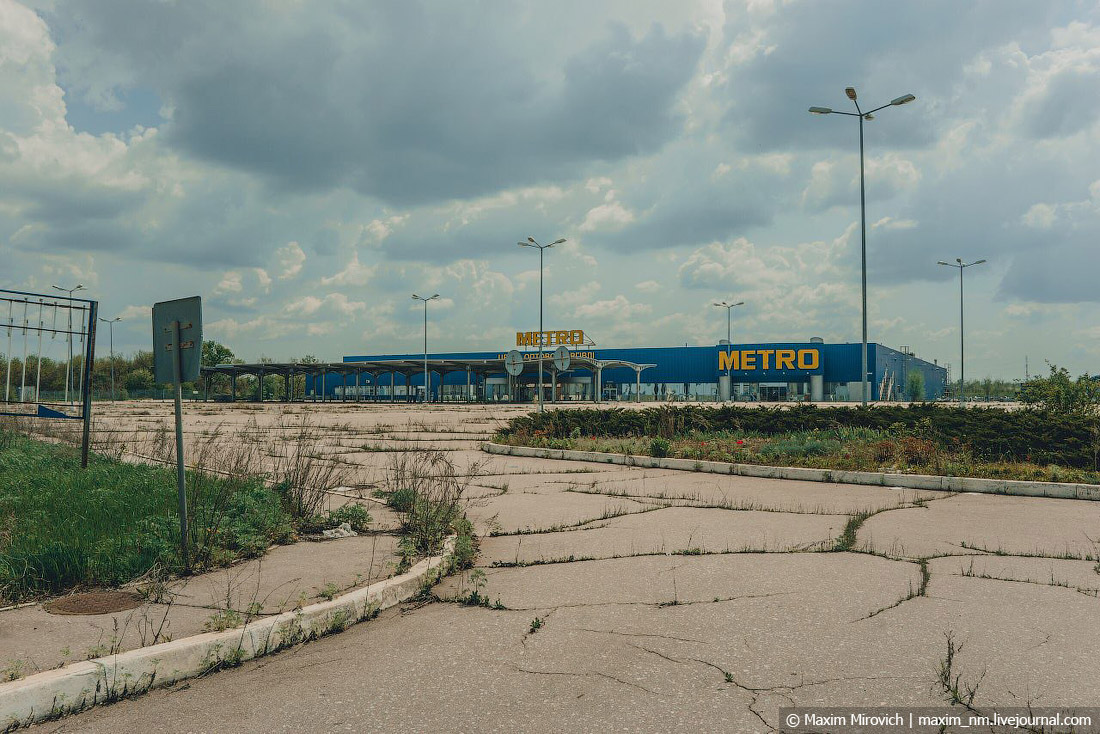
x: 408, y: 368
x: 85, y: 331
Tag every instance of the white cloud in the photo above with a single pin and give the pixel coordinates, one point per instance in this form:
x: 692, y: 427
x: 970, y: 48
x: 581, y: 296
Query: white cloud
x: 353, y: 274
x: 609, y: 216
x: 617, y: 309
x: 291, y: 258
x: 230, y: 283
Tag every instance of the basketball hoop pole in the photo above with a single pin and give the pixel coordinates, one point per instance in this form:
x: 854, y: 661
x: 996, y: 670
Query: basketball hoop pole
x: 89, y: 361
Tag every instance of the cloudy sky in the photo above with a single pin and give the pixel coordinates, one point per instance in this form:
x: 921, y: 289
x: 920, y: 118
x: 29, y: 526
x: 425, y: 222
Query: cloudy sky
x: 306, y: 166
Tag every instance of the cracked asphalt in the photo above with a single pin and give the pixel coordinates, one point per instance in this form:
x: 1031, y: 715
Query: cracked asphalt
x: 632, y: 599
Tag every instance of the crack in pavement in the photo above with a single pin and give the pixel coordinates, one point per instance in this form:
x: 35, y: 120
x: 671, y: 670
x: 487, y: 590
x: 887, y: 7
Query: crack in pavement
x: 642, y: 634
x: 583, y: 675
x: 653, y: 604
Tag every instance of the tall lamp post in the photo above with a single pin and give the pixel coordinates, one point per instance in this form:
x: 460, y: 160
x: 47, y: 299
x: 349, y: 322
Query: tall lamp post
x: 729, y: 310
x: 962, y: 343
x: 531, y: 243
x: 69, y: 368
x: 111, y: 326
x: 427, y: 385
x: 861, y: 116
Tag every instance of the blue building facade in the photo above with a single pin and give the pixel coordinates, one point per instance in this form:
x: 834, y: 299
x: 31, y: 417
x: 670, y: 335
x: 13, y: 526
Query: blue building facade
x: 786, y: 371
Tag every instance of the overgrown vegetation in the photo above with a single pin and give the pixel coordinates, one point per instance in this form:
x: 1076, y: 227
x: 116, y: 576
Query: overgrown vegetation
x: 62, y: 527
x: 1037, y: 444
x: 1061, y: 394
x: 428, y: 492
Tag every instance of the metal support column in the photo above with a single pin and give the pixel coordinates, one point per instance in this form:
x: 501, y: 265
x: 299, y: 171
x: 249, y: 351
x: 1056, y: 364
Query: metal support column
x: 638, y: 392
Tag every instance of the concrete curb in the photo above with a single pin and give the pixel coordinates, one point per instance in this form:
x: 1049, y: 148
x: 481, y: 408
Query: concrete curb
x: 73, y: 688
x: 879, y: 479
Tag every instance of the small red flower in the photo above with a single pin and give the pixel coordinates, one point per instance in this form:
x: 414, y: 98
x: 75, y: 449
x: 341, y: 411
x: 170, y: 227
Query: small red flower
x: 739, y: 442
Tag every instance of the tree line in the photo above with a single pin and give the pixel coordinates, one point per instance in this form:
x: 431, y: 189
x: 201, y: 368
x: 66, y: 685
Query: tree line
x: 132, y: 376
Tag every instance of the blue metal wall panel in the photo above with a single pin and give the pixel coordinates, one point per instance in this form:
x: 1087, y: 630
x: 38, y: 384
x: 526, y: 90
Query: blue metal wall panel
x: 840, y: 364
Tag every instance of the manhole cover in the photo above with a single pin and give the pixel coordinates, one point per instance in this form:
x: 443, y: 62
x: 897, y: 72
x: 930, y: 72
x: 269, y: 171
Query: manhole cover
x: 94, y: 602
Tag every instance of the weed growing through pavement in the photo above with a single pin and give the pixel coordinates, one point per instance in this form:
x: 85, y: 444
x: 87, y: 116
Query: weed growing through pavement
x: 954, y: 690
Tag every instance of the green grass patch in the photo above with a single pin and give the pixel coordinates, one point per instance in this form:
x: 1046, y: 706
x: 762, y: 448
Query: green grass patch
x: 62, y: 527
x: 897, y: 449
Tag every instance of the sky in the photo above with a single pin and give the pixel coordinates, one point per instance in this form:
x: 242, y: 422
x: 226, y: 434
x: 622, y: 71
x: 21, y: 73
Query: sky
x: 306, y: 167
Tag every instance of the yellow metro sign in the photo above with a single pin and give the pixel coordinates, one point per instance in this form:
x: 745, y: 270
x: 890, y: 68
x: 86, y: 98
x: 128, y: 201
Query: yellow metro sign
x: 751, y: 360
x: 573, y: 337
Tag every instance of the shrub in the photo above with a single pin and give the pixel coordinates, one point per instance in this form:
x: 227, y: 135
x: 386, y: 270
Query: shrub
x: 659, y: 447
x: 401, y: 500
x: 434, y: 490
x: 1046, y: 436
x: 915, y: 450
x: 914, y: 386
x: 1060, y: 394
x: 353, y: 514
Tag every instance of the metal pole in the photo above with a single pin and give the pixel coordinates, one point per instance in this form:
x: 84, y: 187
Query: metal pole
x: 23, y: 378
x: 89, y: 360
x: 541, y: 334
x: 111, y: 331
x: 729, y: 348
x: 38, y: 359
x: 69, y: 366
x: 426, y: 387
x: 962, y: 346
x: 181, y: 486
x: 863, y: 262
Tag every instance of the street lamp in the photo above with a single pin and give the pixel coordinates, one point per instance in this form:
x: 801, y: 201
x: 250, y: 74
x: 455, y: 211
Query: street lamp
x: 962, y: 344
x: 531, y: 243
x: 861, y: 116
x: 427, y: 386
x: 69, y: 368
x: 729, y: 310
x: 111, y: 326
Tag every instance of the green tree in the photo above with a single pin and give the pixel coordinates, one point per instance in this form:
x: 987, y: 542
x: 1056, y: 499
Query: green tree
x: 914, y: 386
x: 214, y: 354
x: 139, y: 379
x: 1060, y: 393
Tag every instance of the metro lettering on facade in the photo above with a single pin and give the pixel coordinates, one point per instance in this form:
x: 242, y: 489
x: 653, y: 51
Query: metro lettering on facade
x: 750, y: 360
x: 572, y: 337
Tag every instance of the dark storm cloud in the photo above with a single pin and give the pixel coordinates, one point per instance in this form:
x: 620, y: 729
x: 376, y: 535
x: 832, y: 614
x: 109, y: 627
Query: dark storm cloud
x: 884, y: 49
x: 1064, y: 273
x: 407, y: 102
x: 1068, y: 104
x: 982, y: 211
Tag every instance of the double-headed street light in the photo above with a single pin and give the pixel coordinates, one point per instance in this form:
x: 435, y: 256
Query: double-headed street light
x: 962, y: 344
x: 111, y: 326
x: 69, y: 368
x: 531, y: 243
x: 861, y: 116
x: 729, y: 310
x: 427, y: 385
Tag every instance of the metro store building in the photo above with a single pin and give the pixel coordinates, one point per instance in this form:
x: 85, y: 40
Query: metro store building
x: 775, y: 372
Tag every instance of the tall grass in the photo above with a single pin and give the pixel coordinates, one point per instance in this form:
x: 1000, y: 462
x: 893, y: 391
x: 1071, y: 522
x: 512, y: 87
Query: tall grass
x: 63, y: 527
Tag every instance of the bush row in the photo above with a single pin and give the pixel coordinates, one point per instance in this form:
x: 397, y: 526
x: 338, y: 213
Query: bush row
x: 1035, y: 436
